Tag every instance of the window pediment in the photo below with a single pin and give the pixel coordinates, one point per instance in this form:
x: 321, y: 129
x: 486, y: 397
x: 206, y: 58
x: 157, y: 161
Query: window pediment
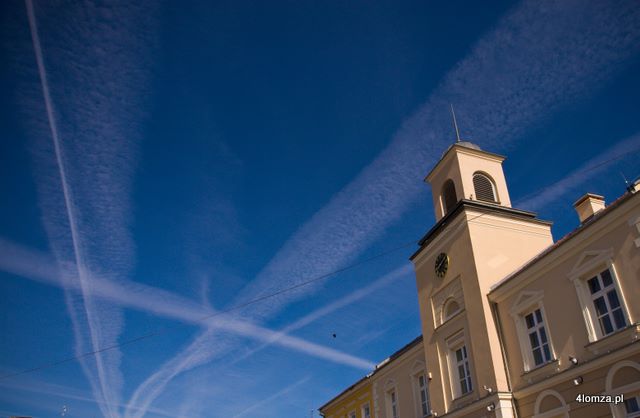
x: 525, y: 299
x: 418, y: 367
x: 589, y: 260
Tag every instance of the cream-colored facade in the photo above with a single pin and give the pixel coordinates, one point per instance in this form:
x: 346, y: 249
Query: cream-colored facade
x: 513, y: 324
x: 399, y: 383
x: 586, y: 289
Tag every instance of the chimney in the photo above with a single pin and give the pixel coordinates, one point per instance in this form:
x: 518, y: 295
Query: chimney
x: 588, y: 205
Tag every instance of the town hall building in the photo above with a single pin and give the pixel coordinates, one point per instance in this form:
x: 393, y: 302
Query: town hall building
x: 513, y: 323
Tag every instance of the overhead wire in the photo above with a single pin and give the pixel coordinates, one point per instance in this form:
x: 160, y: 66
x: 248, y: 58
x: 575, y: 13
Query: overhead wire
x: 204, y: 318
x: 323, y: 276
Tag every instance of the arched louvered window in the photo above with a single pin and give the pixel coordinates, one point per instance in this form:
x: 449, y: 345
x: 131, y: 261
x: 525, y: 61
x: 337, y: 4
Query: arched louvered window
x: 449, y: 198
x: 484, y: 188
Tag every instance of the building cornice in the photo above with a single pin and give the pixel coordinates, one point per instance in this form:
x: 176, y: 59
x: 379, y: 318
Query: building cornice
x: 584, y: 368
x: 484, y: 207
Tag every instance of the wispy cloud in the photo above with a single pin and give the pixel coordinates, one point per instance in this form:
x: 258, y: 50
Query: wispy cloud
x: 103, y: 384
x: 540, y: 56
x: 272, y: 397
x: 33, y: 265
x: 344, y: 301
x: 208, y: 345
x: 582, y: 174
x: 29, y: 384
x: 198, y: 352
x: 92, y: 89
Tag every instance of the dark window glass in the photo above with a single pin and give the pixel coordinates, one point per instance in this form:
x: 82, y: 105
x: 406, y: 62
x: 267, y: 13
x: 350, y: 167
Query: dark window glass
x: 461, y: 371
x: 529, y: 319
x: 618, y: 317
x: 543, y: 335
x: 606, y: 324
x: 464, y: 387
x: 601, y: 306
x: 537, y: 356
x: 631, y: 405
x: 534, y: 340
x: 538, y: 316
x: 449, y: 197
x: 613, y: 299
x: 594, y: 285
x: 606, y: 278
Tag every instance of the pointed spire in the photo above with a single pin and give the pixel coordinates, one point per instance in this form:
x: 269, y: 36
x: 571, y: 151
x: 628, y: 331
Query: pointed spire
x: 455, y: 123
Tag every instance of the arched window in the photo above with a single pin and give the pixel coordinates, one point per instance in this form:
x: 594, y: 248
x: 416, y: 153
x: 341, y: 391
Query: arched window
x: 484, y: 188
x: 449, y: 198
x: 550, y: 403
x: 451, y: 308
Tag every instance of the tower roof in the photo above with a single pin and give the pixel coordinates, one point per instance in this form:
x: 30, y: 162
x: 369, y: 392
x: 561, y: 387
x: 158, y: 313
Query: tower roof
x: 465, y: 144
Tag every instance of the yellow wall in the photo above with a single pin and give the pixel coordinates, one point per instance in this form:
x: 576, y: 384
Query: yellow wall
x: 351, y: 401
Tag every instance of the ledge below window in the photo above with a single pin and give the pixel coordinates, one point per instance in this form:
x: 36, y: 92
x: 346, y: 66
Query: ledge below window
x: 541, y: 371
x: 615, y: 340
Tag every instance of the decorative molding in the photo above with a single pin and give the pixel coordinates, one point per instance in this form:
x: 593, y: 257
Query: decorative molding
x: 389, y: 385
x: 618, y: 411
x: 525, y: 300
x: 589, y: 260
x: 417, y: 367
x: 612, y: 372
x: 564, y: 409
x: 451, y: 291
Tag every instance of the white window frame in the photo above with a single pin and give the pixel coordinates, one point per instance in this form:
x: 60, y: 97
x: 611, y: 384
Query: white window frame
x: 365, y: 406
x: 392, y: 402
x: 420, y: 391
x: 352, y: 414
x: 540, y: 331
x: 598, y: 262
x: 528, y: 302
x: 454, y: 344
x: 603, y: 294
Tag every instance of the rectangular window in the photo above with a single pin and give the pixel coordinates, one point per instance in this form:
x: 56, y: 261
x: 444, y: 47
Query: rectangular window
x: 538, y: 337
x: 606, y: 302
x: 394, y: 404
x: 463, y: 370
x: 632, y: 406
x: 425, y: 408
x: 352, y: 414
x: 366, y: 412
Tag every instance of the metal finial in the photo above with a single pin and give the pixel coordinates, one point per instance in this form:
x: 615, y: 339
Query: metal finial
x: 455, y: 123
x: 626, y: 182
x: 628, y: 186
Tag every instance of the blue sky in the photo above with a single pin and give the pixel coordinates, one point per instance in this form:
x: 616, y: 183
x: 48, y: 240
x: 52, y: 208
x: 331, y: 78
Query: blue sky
x: 163, y: 161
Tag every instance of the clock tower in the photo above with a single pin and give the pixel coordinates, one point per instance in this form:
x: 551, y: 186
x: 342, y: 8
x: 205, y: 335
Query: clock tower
x: 478, y: 239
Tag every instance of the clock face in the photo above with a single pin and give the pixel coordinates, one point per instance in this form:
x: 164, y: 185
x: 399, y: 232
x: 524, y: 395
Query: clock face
x: 442, y: 264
